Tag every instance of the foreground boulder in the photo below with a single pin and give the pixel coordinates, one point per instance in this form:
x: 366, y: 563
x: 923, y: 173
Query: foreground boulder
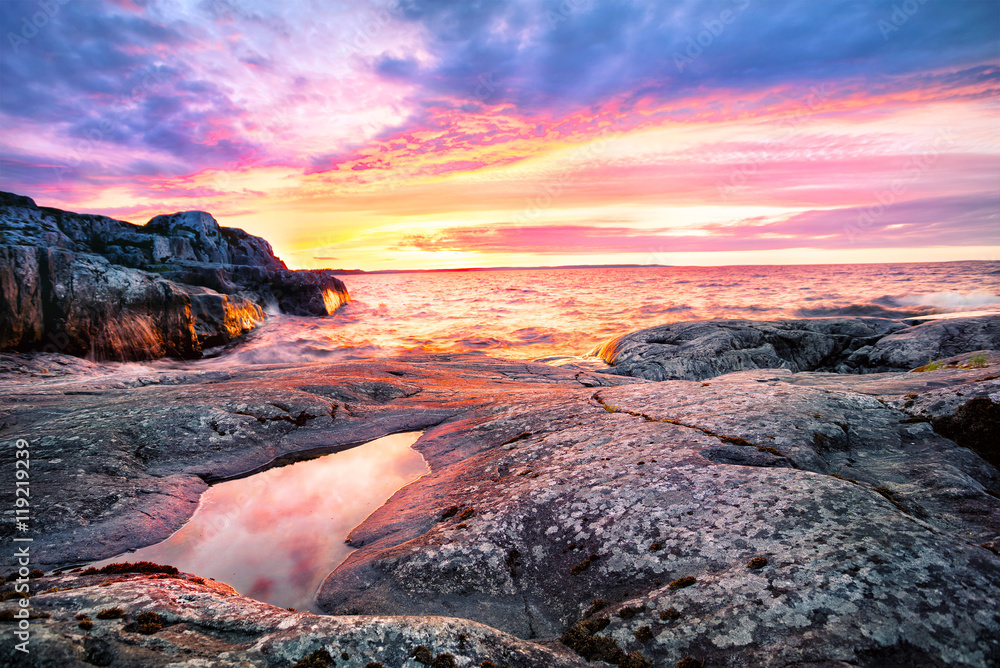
x: 95, y: 286
x: 700, y: 350
x: 763, y: 518
x: 703, y: 349
x: 929, y: 341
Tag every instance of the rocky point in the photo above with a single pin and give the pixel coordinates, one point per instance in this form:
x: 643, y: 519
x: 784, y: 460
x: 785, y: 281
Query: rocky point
x: 94, y: 286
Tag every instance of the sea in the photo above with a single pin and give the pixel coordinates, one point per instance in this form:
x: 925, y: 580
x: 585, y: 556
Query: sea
x: 552, y: 314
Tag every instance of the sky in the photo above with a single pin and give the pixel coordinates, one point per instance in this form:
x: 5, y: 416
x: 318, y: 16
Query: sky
x: 391, y: 134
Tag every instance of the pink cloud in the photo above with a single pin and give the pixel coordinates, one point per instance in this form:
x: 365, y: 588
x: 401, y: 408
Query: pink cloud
x: 963, y: 220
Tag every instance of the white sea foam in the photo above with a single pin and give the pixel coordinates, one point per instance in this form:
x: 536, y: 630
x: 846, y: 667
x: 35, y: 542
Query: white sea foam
x: 953, y: 301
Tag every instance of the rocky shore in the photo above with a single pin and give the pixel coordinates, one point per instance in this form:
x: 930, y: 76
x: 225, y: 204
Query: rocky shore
x: 94, y: 286
x: 704, y: 349
x: 816, y: 492
x: 766, y: 517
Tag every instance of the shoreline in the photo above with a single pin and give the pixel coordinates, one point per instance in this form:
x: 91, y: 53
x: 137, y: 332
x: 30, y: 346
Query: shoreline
x: 747, y: 491
x: 370, y: 272
x: 514, y: 445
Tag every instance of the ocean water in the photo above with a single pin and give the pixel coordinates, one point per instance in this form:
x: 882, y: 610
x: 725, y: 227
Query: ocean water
x: 303, y: 512
x: 543, y: 313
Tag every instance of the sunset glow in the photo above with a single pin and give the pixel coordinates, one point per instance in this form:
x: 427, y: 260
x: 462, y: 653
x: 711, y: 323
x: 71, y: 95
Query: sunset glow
x: 418, y: 134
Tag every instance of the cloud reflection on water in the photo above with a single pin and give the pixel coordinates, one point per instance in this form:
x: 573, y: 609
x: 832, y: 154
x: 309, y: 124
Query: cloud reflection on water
x: 275, y: 535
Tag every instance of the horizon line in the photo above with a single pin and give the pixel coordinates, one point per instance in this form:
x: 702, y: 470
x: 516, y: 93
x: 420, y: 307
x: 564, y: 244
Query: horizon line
x: 355, y: 272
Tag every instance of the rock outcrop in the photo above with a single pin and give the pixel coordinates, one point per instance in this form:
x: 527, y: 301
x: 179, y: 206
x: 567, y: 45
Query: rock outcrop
x: 154, y: 620
x: 81, y: 304
x: 932, y: 340
x: 91, y: 285
x: 180, y: 238
x: 763, y: 518
x: 704, y: 349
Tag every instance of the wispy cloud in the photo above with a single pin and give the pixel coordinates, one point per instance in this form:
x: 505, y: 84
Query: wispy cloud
x: 967, y: 220
x: 350, y: 119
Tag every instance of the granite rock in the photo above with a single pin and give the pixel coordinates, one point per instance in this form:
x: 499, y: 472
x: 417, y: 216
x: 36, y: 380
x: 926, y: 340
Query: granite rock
x: 185, y: 237
x: 91, y: 285
x: 912, y: 347
x: 201, y: 622
x: 550, y: 488
x: 702, y: 349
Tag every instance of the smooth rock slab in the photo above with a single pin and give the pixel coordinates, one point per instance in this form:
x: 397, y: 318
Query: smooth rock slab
x: 121, y: 456
x: 609, y: 495
x: 551, y: 487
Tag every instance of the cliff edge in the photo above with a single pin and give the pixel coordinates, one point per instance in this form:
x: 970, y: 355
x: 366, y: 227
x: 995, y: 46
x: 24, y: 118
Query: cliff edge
x: 94, y: 286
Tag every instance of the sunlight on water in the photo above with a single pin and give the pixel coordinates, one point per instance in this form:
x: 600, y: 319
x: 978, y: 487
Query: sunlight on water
x: 275, y: 535
x: 532, y: 313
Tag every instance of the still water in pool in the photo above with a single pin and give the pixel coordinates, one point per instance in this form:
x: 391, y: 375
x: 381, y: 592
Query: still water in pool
x: 275, y: 535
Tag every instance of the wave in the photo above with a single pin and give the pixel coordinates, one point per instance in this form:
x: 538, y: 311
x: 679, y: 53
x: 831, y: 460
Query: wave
x: 658, y: 309
x: 862, y: 310
x: 520, y: 290
x: 536, y: 335
x: 295, y: 352
x: 952, y: 300
x: 553, y: 313
x: 907, y: 306
x: 480, y: 342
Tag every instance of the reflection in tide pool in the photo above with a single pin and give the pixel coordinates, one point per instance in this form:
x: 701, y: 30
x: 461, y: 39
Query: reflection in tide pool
x: 275, y: 535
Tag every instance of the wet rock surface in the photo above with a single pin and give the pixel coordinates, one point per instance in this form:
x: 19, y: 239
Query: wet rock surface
x: 93, y: 286
x: 704, y: 349
x: 762, y: 517
x: 80, y: 304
